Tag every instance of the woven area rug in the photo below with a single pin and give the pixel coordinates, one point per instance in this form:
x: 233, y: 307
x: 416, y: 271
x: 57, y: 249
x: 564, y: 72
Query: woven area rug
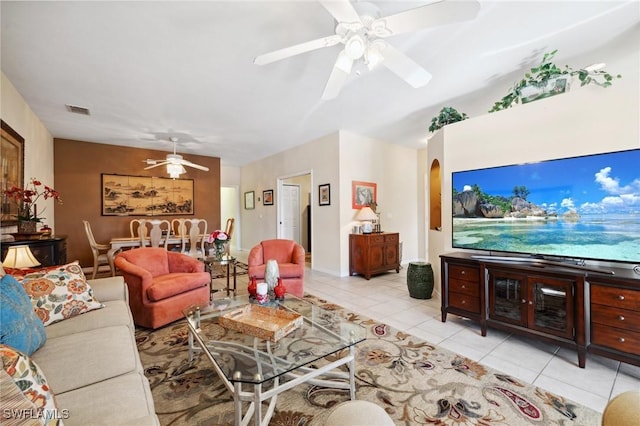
x: 417, y: 383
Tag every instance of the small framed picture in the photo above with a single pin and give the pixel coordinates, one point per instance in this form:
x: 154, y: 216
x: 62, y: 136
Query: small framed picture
x: 267, y: 197
x: 364, y: 194
x: 249, y: 200
x: 324, y: 194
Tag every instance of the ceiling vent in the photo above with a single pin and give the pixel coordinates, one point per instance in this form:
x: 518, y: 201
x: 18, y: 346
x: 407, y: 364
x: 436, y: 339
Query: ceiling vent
x: 78, y: 109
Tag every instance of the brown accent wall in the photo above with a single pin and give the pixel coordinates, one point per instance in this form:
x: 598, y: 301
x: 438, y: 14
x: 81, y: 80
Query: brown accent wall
x: 77, y: 170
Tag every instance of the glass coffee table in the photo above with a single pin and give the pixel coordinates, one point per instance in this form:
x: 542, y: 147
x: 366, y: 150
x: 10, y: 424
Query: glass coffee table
x: 256, y: 370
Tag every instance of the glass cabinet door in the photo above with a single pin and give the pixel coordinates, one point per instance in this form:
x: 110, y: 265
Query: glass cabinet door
x: 506, y: 295
x: 552, y: 305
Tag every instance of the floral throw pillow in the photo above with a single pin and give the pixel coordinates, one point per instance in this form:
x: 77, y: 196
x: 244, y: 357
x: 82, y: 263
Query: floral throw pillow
x: 60, y: 293
x: 31, y: 381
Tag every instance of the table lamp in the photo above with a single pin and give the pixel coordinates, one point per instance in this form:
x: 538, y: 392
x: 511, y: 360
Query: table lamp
x: 366, y: 216
x: 19, y: 257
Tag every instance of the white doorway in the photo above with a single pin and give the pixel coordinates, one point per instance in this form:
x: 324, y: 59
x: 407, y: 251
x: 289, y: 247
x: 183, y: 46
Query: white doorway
x: 294, y: 209
x: 290, y: 212
x: 230, y: 207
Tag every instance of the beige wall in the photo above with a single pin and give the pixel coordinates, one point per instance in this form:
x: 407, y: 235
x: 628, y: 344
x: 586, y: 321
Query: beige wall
x: 339, y: 159
x: 320, y: 159
x: 38, y: 149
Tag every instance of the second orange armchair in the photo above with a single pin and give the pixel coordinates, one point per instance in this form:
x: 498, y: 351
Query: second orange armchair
x: 290, y: 258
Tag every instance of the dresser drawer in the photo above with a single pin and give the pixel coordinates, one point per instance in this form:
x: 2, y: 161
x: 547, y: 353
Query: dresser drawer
x: 465, y: 302
x: 615, y: 317
x: 464, y: 287
x: 616, y: 338
x: 393, y: 238
x: 377, y: 239
x: 467, y: 273
x: 618, y: 297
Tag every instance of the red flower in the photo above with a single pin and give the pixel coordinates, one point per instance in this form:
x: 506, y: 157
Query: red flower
x: 26, y: 198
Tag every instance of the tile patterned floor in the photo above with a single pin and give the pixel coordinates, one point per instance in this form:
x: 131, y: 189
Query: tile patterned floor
x: 551, y: 367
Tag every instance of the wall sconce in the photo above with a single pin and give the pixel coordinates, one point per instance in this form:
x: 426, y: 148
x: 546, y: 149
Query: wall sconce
x: 20, y: 257
x: 366, y: 216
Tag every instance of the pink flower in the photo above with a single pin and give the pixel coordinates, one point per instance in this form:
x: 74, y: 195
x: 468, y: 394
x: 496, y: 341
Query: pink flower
x: 217, y: 236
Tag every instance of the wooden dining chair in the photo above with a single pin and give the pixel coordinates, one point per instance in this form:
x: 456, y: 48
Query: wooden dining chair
x: 156, y: 233
x: 195, y: 237
x: 136, y: 226
x: 100, y: 258
x: 229, y: 228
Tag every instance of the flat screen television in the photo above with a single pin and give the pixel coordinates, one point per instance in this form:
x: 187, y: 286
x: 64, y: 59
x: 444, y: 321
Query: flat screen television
x: 569, y: 209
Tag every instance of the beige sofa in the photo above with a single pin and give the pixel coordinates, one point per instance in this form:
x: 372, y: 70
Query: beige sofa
x: 92, y: 364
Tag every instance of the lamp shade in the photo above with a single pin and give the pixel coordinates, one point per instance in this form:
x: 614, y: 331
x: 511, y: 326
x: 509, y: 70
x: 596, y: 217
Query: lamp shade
x: 366, y: 213
x: 19, y: 257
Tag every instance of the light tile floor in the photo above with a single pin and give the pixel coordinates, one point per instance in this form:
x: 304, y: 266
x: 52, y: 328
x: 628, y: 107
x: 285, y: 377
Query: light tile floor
x: 386, y: 298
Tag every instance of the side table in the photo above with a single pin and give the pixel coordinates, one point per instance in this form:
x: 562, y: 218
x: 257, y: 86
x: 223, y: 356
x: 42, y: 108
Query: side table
x: 227, y: 261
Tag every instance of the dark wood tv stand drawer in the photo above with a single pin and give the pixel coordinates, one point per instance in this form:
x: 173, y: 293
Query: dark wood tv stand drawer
x: 615, y: 319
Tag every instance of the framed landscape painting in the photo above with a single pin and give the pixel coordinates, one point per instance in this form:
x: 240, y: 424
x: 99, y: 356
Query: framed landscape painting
x: 146, y: 196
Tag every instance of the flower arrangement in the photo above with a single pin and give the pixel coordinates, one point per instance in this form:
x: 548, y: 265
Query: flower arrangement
x: 219, y: 238
x: 27, y: 197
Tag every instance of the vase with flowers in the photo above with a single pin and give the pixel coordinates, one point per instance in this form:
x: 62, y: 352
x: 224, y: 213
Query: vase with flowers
x: 26, y: 199
x: 219, y: 239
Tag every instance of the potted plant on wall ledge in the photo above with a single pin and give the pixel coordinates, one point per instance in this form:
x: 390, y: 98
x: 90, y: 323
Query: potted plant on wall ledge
x: 446, y: 116
x: 547, y: 79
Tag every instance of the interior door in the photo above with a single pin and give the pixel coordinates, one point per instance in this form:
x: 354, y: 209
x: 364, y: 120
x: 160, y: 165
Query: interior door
x: 289, y: 212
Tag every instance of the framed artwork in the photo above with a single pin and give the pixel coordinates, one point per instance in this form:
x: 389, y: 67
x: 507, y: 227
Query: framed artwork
x: 12, y: 171
x: 124, y: 195
x: 267, y: 197
x: 363, y: 194
x: 324, y: 194
x: 249, y: 200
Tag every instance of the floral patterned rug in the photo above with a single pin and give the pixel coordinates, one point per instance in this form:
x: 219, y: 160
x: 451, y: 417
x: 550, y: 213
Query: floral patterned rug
x: 415, y: 382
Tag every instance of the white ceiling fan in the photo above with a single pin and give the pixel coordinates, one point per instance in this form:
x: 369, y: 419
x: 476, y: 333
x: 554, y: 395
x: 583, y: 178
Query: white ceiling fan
x: 175, y: 163
x: 363, y: 36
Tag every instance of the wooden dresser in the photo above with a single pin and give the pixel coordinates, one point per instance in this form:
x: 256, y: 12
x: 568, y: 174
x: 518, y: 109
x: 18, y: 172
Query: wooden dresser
x: 371, y: 254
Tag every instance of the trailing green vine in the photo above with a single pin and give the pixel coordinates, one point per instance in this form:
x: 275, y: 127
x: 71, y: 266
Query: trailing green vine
x: 543, y: 73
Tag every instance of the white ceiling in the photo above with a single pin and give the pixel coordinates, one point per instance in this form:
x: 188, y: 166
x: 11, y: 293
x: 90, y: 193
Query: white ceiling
x: 150, y: 70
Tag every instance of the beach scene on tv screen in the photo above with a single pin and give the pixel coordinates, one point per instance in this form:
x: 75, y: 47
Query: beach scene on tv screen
x: 581, y: 207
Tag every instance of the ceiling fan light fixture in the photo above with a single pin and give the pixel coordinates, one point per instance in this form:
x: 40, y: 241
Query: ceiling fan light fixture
x: 175, y: 170
x: 344, y: 63
x: 374, y: 54
x: 355, y: 47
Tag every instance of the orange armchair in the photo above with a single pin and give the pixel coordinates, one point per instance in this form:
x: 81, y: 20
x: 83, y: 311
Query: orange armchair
x: 290, y: 258
x: 161, y: 284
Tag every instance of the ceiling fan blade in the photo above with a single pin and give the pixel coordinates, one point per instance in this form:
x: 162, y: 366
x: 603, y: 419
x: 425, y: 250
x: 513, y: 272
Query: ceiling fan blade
x: 431, y: 15
x: 341, y: 10
x: 339, y: 74
x: 156, y: 165
x: 405, y: 67
x: 297, y: 49
x: 195, y: 166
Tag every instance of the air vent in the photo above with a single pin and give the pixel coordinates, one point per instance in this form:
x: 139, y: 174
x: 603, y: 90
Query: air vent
x: 78, y: 110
